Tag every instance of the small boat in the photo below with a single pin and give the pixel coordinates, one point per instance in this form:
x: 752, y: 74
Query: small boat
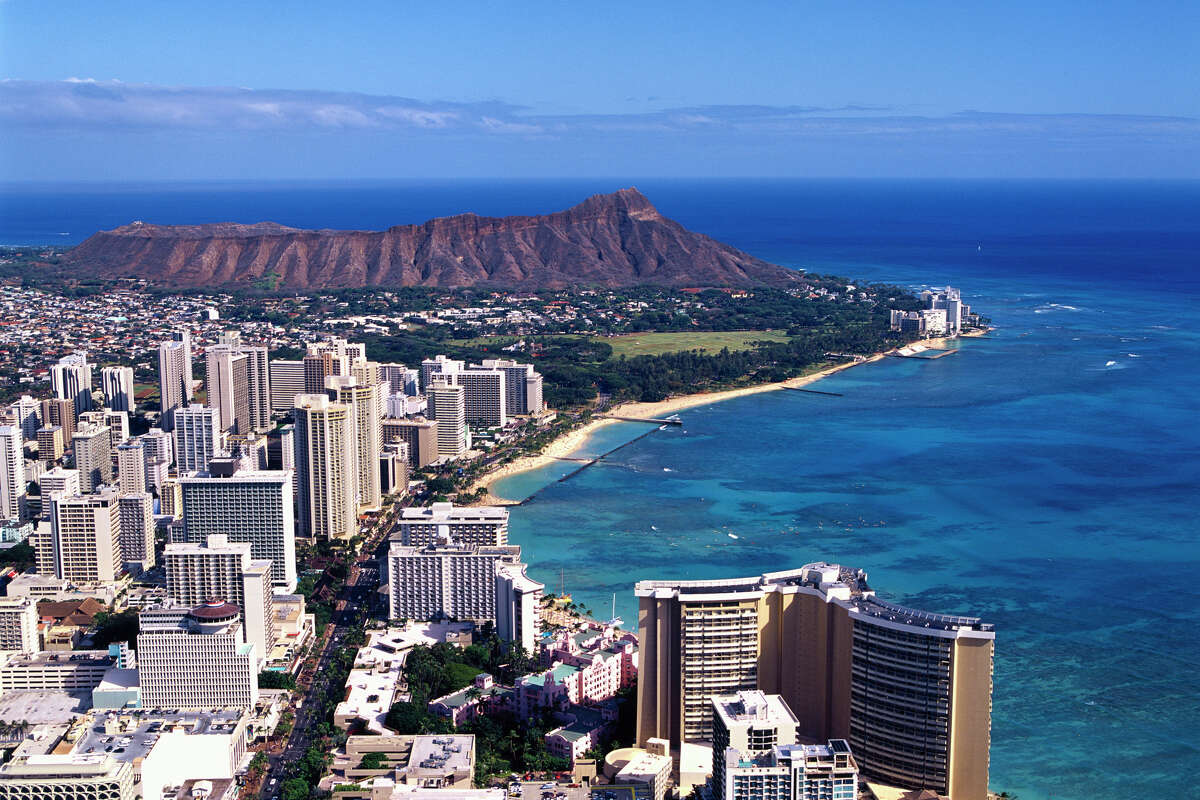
x: 732, y: 535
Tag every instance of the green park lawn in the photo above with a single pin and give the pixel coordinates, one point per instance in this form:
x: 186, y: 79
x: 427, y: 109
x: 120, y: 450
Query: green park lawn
x: 652, y: 344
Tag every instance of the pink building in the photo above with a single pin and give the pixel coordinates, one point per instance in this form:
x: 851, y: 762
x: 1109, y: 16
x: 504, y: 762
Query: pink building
x: 608, y: 658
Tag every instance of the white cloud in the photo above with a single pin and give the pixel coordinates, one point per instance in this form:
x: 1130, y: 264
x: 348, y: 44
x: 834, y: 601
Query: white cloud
x: 96, y: 105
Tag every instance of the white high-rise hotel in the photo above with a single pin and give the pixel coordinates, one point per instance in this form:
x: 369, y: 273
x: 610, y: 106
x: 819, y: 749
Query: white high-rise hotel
x: 249, y: 506
x: 220, y: 568
x: 448, y: 581
x: 196, y: 658
x: 523, y: 391
x: 197, y: 437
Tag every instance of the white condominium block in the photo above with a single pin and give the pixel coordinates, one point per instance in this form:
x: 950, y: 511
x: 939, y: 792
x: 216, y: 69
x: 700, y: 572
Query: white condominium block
x: 19, y: 624
x: 28, y: 415
x: 131, y: 466
x: 85, y: 537
x: 118, y: 388
x: 198, y: 437
x: 448, y: 407
x: 174, y: 377
x: 286, y: 381
x: 12, y: 472
x: 227, y: 388
x: 71, y: 379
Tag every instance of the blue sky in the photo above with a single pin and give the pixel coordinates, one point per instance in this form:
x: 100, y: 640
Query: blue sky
x: 141, y: 90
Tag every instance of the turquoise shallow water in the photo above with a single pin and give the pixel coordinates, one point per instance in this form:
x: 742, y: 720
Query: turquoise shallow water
x: 1025, y: 479
x: 1044, y: 478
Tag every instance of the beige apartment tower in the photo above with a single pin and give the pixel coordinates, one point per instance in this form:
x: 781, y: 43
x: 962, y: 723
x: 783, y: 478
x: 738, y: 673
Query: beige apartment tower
x: 51, y: 445
x: 61, y: 413
x: 910, y: 690
x: 325, y: 472
x: 92, y: 448
x: 363, y: 402
x: 420, y: 434
x: 85, y: 537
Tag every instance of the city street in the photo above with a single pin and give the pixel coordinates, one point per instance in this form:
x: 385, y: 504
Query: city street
x: 354, y: 601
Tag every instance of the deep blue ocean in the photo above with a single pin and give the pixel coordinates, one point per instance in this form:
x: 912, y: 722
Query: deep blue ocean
x: 1046, y: 477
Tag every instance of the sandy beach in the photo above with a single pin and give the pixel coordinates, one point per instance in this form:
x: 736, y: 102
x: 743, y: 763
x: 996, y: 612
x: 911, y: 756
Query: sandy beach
x: 572, y: 440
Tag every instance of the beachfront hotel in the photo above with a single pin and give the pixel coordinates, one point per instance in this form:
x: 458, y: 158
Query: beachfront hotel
x: 445, y: 580
x: 910, y: 690
x: 480, y: 526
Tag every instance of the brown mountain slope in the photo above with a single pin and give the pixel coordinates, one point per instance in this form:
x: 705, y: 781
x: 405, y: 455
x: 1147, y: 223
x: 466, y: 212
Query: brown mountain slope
x: 618, y: 239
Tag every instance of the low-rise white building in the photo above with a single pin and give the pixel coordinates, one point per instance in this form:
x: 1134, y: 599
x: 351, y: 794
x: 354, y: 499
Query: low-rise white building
x: 75, y: 776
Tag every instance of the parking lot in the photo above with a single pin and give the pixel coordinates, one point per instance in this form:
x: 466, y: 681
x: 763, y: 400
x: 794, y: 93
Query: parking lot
x: 532, y: 790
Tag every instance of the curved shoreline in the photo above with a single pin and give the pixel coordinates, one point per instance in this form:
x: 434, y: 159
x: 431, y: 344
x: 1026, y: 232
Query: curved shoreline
x: 572, y: 440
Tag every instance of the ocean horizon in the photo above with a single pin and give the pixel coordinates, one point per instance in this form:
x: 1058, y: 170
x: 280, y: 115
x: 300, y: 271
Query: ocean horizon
x: 1043, y: 478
